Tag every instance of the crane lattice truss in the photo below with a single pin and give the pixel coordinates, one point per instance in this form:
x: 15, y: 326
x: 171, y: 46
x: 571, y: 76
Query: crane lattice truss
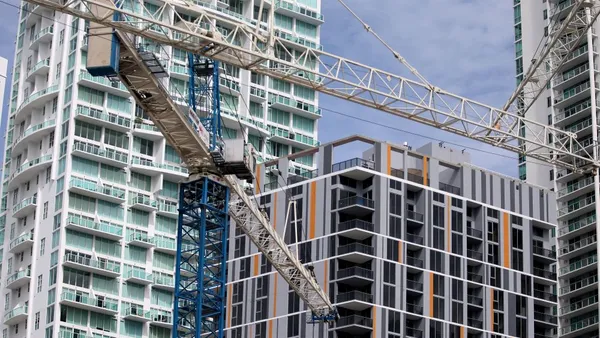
x: 253, y: 46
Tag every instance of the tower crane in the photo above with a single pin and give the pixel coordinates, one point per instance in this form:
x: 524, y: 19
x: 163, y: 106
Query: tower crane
x: 216, y: 165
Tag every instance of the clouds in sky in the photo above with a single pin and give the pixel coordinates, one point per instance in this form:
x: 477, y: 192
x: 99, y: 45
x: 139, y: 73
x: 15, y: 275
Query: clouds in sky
x: 463, y: 46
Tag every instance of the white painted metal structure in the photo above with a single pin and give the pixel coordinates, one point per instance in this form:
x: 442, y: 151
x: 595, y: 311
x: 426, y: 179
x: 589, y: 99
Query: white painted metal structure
x: 256, y: 47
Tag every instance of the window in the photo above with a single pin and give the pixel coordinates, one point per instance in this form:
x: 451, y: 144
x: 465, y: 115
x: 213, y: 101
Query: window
x: 143, y: 146
x: 45, y: 215
x: 37, y: 321
x: 42, y: 246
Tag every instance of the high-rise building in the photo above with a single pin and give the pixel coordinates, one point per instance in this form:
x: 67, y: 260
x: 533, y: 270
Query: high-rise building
x: 570, y: 104
x: 89, y: 196
x: 405, y: 243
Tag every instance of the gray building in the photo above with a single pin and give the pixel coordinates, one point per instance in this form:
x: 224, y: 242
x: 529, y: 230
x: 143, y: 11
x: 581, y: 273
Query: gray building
x: 406, y: 243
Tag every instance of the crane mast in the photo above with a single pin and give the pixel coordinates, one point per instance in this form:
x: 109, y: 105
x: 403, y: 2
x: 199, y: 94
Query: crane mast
x: 214, y: 191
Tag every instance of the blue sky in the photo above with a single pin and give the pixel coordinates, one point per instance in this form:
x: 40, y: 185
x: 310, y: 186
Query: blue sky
x: 463, y: 46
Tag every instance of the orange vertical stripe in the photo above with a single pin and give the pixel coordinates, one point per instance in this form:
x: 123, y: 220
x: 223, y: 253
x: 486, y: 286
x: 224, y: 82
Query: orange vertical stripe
x: 431, y: 294
x: 257, y: 175
x: 506, y: 240
x: 325, y: 281
x: 389, y: 159
x: 312, y: 200
x: 374, y: 315
x: 425, y: 170
x: 256, y: 265
x: 250, y: 331
x: 492, y: 310
x: 462, y: 332
x: 399, y: 252
x: 448, y: 214
x: 229, y: 300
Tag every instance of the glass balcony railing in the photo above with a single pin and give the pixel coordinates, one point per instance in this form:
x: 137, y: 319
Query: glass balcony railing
x: 355, y: 224
x: 90, y: 224
x: 354, y: 320
x: 95, y: 187
x: 571, y: 74
x: 355, y: 248
x: 540, y: 251
x: 415, y: 216
x: 137, y: 311
x: 286, y: 101
x: 579, y: 264
x: 164, y: 243
x: 578, y: 325
x: 19, y: 310
x: 179, y: 69
x: 355, y: 271
x: 140, y: 237
x: 146, y: 126
x: 257, y: 92
x: 578, y: 245
x: 164, y: 280
x: 354, y: 295
x: 300, y: 10
x: 111, y: 154
x: 104, y: 302
x: 25, y: 203
x: 41, y: 64
x: 581, y: 223
x: 161, y: 316
x: 29, y: 164
x: 39, y: 93
x: 579, y: 204
x: 351, y: 163
x: 414, y: 261
x: 35, y: 128
x: 147, y: 163
x: 572, y: 110
x: 579, y: 285
x: 356, y: 200
x: 84, y: 75
x: 100, y: 115
x: 574, y: 187
x: 42, y: 32
x: 573, y: 91
x: 578, y: 305
x: 102, y: 264
x: 139, y: 275
x: 18, y: 275
x: 21, y: 239
x: 143, y: 200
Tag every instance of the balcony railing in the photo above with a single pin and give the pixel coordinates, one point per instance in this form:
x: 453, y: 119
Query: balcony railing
x: 474, y: 232
x: 544, y: 273
x: 301, y: 10
x: 414, y: 285
x: 36, y: 95
x: 449, y: 188
x: 579, y: 264
x: 474, y: 254
x: 354, y: 320
x: 544, y: 317
x: 355, y: 247
x: 578, y: 245
x: 474, y: 300
x: 21, y: 239
x: 544, y: 252
x: 18, y: 275
x: 414, y: 238
x: 25, y: 203
x: 44, y: 63
x: 29, y: 164
x: 415, y: 216
x: 414, y: 261
x: 574, y: 187
x: 95, y: 187
x: 90, y: 224
x: 356, y: 224
x: 104, y: 303
x: 582, y: 223
x: 356, y: 200
x: 475, y: 323
x: 35, y: 128
x: 572, y: 110
x: 579, y: 325
x: 95, y: 150
x: 100, y: 115
x: 355, y: 162
x: 475, y: 277
x: 544, y: 295
x: 133, y: 273
x: 579, y: 284
x: 102, y: 264
x: 354, y: 295
x: 42, y: 32
x: 414, y: 308
x: 355, y: 271
x: 579, y: 305
x: 579, y: 204
x: 19, y: 310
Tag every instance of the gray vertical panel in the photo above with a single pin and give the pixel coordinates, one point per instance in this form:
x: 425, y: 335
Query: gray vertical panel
x: 530, y: 202
x: 473, y: 185
x: 520, y: 194
x: 483, y: 188
x: 542, y: 202
x: 327, y: 159
x: 511, y: 186
x: 511, y: 311
x: 491, y: 189
x: 379, y: 165
x: 502, y: 183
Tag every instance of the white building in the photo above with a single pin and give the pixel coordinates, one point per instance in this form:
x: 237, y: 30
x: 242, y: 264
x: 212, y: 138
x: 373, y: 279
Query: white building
x: 90, y: 185
x: 570, y: 103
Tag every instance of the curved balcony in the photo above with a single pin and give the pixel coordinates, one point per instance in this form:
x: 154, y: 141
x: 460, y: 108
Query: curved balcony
x: 295, y: 106
x: 36, y: 100
x: 23, y: 242
x: 103, y: 84
x: 16, y: 315
x: 84, y: 301
x: 96, y: 153
x: 25, y: 207
x: 28, y: 171
x: 356, y: 252
x: 104, y: 230
x: 581, y: 266
x: 139, y: 277
x: 33, y: 134
x: 40, y: 68
x: 151, y: 168
x: 95, y: 190
x: 99, y: 117
x: 356, y: 229
x: 18, y: 279
x: 35, y: 13
x: 43, y: 36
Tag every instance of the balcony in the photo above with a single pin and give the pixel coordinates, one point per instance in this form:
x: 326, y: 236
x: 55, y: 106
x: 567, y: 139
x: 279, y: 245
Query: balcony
x: 140, y: 239
x: 137, y: 313
x: 16, y: 315
x: 414, y: 216
x: 28, y: 171
x: 544, y: 274
x: 580, y: 207
x: 413, y: 285
x: 165, y: 244
x: 354, y: 163
x: 475, y: 255
x: 475, y: 300
x: 356, y: 229
x: 579, y: 307
x: 179, y: 71
x: 571, y: 77
x: 354, y: 300
x: 163, y: 282
x: 547, y: 254
x: 301, y: 13
x: 139, y: 277
x: 25, y: 207
x: 354, y: 325
x: 356, y: 205
x: 579, y: 287
x: 35, y: 101
x: 544, y: 295
x: 581, y: 266
x: 292, y: 138
x: 161, y: 318
x: 356, y: 252
x: 103, y: 84
x: 414, y: 238
x: 412, y: 332
x: 143, y: 202
x: 18, y: 279
x: 449, y: 188
x: 167, y: 209
x: 104, y: 230
x: 40, y: 68
x: 99, y: 117
x: 577, y: 227
x: 147, y: 131
x: 355, y: 276
x: 99, y: 266
x: 95, y: 190
x: 43, y: 36
x: 475, y: 277
x: 572, y: 95
x: 95, y: 153
x: 34, y: 133
x: 151, y: 168
x: 545, y: 318
x: 295, y: 106
x: 414, y: 262
x: 572, y: 113
x: 475, y: 323
x: 579, y: 328
x: 83, y: 301
x: 575, y: 190
x: 472, y: 232
x: 576, y: 248
x: 21, y: 243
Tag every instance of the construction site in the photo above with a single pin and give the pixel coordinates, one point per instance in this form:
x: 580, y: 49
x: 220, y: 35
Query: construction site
x: 164, y: 178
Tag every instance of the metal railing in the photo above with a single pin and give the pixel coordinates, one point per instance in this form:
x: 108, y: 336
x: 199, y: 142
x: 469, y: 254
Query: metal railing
x: 356, y: 224
x: 355, y: 271
x: 355, y: 247
x: 351, y: 163
x: 356, y: 200
x: 354, y: 295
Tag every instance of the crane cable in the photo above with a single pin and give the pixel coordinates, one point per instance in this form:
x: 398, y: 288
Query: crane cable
x: 397, y: 55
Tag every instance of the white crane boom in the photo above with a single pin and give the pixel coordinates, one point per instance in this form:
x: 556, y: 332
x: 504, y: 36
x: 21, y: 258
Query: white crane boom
x: 335, y: 75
